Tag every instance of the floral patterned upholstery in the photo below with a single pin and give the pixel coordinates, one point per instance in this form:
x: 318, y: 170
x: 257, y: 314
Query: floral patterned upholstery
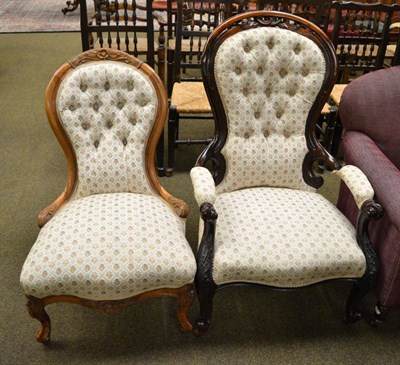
x: 108, y: 110
x: 357, y: 183
x: 271, y: 236
x: 267, y: 98
x: 109, y: 247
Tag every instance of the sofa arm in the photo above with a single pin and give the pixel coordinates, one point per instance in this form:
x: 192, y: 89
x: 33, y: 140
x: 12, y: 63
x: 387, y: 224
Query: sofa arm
x: 360, y: 150
x: 357, y: 182
x: 203, y: 185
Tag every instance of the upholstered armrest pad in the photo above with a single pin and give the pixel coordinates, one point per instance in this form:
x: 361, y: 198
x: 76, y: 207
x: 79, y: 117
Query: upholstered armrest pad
x: 357, y: 183
x: 384, y: 175
x: 203, y: 185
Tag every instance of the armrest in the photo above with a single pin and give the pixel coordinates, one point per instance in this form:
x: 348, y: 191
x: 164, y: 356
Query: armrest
x: 203, y: 185
x: 360, y: 150
x: 357, y: 183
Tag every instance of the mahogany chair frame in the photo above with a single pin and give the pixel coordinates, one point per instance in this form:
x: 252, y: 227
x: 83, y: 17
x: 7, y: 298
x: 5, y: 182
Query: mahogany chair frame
x: 185, y: 294
x: 205, y: 285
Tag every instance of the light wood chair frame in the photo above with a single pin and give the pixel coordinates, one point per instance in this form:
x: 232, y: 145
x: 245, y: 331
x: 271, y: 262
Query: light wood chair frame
x: 36, y: 306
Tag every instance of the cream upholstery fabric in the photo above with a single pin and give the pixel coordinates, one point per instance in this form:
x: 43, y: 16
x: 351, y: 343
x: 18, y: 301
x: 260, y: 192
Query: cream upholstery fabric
x: 357, y: 183
x: 203, y: 185
x: 108, y: 109
x: 108, y: 247
x: 283, y: 238
x: 268, y: 79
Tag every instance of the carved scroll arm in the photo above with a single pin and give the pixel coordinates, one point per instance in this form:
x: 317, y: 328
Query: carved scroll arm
x: 369, y: 210
x: 205, y: 254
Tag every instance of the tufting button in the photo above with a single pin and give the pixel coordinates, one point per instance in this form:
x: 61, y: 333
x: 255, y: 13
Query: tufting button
x: 143, y: 102
x: 297, y: 49
x: 292, y: 91
x: 305, y: 71
x: 120, y: 105
x: 266, y: 133
x: 257, y: 114
x: 72, y: 108
x: 245, y: 91
x: 238, y: 70
x: 96, y: 143
x: 132, y: 121
x: 286, y: 133
x: 270, y: 44
x: 85, y: 126
x: 124, y: 141
x: 83, y: 87
x: 247, y: 48
x: 260, y: 70
x: 283, y: 73
x: 96, y: 106
x: 247, y: 135
x: 109, y: 124
x: 107, y: 86
x: 268, y: 92
x: 279, y: 114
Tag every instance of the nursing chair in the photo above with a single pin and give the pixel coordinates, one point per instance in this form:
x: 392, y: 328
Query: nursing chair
x: 115, y: 235
x: 267, y: 77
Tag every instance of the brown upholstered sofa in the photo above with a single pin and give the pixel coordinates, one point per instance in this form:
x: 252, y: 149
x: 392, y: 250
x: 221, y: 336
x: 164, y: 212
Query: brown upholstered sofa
x: 370, y: 113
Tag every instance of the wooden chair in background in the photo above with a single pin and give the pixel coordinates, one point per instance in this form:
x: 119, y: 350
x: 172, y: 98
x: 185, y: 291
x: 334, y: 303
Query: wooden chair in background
x: 195, y: 20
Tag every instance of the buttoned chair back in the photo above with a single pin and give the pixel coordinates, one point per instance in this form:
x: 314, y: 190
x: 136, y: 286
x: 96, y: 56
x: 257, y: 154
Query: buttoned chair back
x: 108, y: 114
x: 272, y: 83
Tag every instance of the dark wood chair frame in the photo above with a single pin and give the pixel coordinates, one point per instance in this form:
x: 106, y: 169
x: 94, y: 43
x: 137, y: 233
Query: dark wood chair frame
x: 185, y: 294
x: 179, y: 61
x: 347, y: 37
x: 205, y: 286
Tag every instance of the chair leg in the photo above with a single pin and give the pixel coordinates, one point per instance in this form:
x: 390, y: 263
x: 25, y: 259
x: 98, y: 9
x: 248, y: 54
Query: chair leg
x: 186, y: 298
x: 173, y: 119
x: 160, y: 156
x: 205, y: 294
x: 37, y: 311
x: 380, y: 314
x: 360, y: 289
x: 337, y: 136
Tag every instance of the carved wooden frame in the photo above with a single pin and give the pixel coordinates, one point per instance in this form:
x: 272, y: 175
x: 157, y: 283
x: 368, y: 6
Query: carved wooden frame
x: 184, y: 294
x: 205, y: 285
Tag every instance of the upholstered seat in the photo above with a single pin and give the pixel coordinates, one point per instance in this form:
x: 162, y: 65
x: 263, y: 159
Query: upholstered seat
x: 267, y: 76
x: 109, y: 247
x: 115, y: 235
x: 277, y: 248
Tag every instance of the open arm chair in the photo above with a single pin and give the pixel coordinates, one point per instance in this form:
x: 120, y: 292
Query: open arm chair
x: 267, y: 77
x: 114, y: 236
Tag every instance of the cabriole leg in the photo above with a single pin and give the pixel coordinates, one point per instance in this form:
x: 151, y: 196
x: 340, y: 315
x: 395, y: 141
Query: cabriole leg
x: 205, y: 294
x: 186, y: 298
x: 37, y: 311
